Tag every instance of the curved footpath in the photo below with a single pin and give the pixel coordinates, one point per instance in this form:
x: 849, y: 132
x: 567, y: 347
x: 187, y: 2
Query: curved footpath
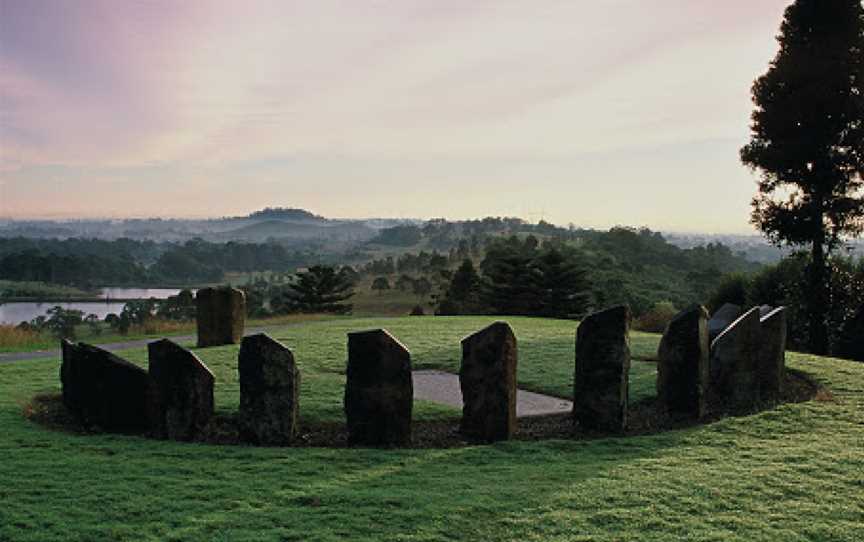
x: 429, y: 385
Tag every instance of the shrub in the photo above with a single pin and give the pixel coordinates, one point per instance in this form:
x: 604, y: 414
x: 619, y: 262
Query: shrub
x: 19, y: 336
x: 732, y: 289
x: 656, y: 318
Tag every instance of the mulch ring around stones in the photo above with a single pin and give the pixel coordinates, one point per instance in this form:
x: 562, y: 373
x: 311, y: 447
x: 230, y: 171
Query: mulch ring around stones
x: 643, y: 419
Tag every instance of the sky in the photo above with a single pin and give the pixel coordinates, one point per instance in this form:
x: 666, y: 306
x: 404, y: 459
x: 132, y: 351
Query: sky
x: 614, y: 112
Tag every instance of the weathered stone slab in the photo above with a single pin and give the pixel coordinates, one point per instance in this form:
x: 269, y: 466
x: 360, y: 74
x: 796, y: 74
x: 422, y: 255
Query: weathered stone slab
x: 221, y: 316
x: 378, y: 390
x: 850, y: 344
x: 722, y: 318
x: 772, y: 354
x: 682, y: 372
x: 103, y: 390
x: 735, y: 363
x: 269, y: 391
x: 764, y: 310
x: 182, y: 399
x: 487, y: 378
x: 600, y: 387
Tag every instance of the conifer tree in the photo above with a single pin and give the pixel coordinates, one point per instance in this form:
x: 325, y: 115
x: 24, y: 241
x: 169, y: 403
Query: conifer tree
x: 807, y: 141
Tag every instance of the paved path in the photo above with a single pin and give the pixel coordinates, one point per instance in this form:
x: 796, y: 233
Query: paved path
x: 441, y: 387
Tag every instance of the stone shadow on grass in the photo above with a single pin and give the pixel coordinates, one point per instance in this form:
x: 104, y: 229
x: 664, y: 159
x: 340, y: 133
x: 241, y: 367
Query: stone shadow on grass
x: 49, y: 411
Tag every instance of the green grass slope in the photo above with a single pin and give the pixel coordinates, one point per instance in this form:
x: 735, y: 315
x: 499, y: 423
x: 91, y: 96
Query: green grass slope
x: 791, y: 473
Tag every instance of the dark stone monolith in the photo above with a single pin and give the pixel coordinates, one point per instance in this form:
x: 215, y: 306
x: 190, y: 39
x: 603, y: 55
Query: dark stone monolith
x: 600, y: 386
x: 182, y: 400
x: 735, y: 362
x: 102, y: 390
x: 269, y: 391
x: 682, y: 371
x: 488, y: 381
x: 379, y: 392
x: 721, y: 319
x: 764, y: 310
x: 850, y: 344
x: 221, y: 316
x: 772, y: 354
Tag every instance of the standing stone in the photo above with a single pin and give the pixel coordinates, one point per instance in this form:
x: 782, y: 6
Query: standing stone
x: 488, y: 381
x: 182, y: 401
x: 601, y: 386
x: 103, y: 390
x: 722, y: 318
x: 682, y: 373
x: 379, y: 392
x: 735, y: 363
x: 221, y: 315
x: 850, y: 344
x: 764, y: 310
x: 269, y: 391
x: 772, y: 354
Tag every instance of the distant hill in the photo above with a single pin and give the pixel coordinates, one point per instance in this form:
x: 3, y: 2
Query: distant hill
x: 284, y: 213
x: 279, y: 230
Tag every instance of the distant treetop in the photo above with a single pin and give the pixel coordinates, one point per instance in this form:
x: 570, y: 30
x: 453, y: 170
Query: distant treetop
x: 285, y: 213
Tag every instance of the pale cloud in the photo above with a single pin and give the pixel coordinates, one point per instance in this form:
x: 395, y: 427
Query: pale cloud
x: 364, y: 98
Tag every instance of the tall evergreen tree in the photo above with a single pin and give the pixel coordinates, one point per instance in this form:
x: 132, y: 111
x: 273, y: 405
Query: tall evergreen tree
x: 463, y: 293
x: 563, y: 285
x: 807, y: 140
x: 511, y: 277
x: 322, y: 289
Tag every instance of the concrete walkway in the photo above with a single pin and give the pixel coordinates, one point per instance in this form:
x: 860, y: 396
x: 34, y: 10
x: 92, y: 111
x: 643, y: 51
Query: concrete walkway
x: 441, y: 387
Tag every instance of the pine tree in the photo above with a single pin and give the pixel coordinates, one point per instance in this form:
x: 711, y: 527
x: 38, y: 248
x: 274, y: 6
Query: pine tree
x: 463, y: 293
x: 563, y: 286
x: 807, y: 140
x: 511, y: 274
x: 322, y: 289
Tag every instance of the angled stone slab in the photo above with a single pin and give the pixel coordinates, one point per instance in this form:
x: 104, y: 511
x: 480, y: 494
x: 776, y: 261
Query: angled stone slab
x: 182, y: 400
x: 378, y: 390
x: 220, y: 316
x: 772, y: 354
x: 102, y: 390
x: 764, y: 310
x: 735, y: 363
x: 682, y: 371
x: 269, y: 391
x: 487, y: 379
x: 600, y: 387
x: 722, y: 318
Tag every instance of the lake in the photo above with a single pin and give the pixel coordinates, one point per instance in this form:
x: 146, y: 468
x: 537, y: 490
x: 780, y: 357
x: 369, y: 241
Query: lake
x: 15, y: 313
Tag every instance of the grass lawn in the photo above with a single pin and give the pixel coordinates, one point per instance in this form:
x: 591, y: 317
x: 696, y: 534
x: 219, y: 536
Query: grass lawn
x: 792, y: 473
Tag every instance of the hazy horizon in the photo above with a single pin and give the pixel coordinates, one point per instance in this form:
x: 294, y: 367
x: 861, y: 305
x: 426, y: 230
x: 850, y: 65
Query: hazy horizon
x: 620, y: 113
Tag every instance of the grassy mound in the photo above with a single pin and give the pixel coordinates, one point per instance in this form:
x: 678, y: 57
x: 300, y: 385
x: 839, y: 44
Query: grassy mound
x: 791, y: 473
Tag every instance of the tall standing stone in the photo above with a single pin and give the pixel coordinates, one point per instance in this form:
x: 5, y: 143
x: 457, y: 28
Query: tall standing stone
x: 601, y: 386
x: 772, y: 354
x: 269, y: 391
x: 735, y: 363
x: 182, y: 401
x: 722, y: 318
x: 103, y: 390
x: 488, y: 381
x: 682, y: 372
x: 379, y: 392
x: 221, y: 315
